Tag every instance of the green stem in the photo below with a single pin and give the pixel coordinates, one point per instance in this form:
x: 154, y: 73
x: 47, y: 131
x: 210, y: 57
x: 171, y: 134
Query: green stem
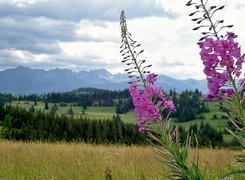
x: 134, y: 58
x: 209, y: 19
x: 237, y: 94
x: 238, y: 98
x: 177, y: 161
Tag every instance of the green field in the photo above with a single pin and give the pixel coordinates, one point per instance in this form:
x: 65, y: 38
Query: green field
x: 107, y: 112
x: 218, y: 123
x: 92, y: 112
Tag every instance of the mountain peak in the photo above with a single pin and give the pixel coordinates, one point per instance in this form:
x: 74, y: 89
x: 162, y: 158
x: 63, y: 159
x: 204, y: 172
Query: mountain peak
x: 102, y: 70
x: 102, y: 73
x: 24, y: 80
x: 22, y: 68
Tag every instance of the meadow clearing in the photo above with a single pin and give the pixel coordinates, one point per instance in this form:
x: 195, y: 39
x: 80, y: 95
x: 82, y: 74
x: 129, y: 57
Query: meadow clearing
x: 39, y: 160
x: 102, y: 112
x: 92, y: 112
x: 43, y: 160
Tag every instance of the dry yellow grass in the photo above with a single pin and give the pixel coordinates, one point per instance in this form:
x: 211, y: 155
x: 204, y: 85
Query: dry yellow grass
x: 85, y: 161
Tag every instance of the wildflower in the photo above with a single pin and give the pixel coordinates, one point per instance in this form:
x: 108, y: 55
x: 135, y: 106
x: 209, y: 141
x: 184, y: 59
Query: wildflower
x: 151, y: 78
x: 169, y: 105
x: 142, y: 129
x: 146, y: 110
x: 229, y: 92
x: 222, y: 60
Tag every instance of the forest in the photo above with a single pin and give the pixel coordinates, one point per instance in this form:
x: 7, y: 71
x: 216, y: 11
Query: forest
x: 189, y: 104
x: 35, y: 124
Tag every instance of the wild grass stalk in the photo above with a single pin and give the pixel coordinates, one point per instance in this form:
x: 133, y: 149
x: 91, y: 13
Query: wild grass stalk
x: 39, y: 160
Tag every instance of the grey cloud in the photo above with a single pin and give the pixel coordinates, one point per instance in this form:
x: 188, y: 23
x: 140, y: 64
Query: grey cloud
x: 80, y: 63
x: 167, y: 63
x: 38, y: 35
x: 172, y: 64
x: 76, y: 64
x: 40, y: 26
x: 8, y: 60
x: 5, y: 64
x: 240, y: 6
x: 37, y: 48
x: 76, y: 10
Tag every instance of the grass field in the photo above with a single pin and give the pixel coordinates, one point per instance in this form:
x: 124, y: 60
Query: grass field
x: 107, y: 112
x: 86, y: 161
x: 90, y: 112
x: 219, y: 124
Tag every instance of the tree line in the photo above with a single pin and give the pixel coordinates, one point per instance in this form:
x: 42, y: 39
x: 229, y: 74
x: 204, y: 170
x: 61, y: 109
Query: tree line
x: 20, y: 124
x: 28, y: 125
x: 189, y: 104
x: 203, y: 135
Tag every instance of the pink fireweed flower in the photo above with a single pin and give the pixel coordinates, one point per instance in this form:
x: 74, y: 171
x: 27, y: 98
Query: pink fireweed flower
x: 151, y: 78
x: 169, y: 105
x: 148, y: 102
x: 222, y: 60
x: 229, y: 92
x: 142, y: 129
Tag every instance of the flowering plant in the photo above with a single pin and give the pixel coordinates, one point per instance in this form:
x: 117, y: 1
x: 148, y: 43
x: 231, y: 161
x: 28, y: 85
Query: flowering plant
x: 222, y: 60
x: 223, y: 63
x: 150, y: 101
x: 146, y: 110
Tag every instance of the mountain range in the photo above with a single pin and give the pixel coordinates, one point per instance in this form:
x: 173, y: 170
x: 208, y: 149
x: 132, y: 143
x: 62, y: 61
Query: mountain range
x: 24, y: 80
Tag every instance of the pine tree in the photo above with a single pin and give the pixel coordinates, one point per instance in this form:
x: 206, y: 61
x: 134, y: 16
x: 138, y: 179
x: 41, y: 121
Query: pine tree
x: 46, y: 105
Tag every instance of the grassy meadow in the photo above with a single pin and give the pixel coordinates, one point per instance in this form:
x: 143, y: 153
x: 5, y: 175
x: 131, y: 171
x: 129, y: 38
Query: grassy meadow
x: 43, y: 160
x: 107, y: 113
x: 95, y: 112
x: 218, y: 123
x: 101, y: 112
x: 38, y: 160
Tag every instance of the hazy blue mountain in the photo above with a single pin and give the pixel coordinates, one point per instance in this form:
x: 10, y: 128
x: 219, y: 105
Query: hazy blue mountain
x: 167, y: 83
x: 26, y: 80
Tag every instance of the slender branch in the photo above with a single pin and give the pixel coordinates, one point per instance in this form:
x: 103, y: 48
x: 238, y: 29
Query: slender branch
x: 127, y: 44
x: 237, y: 96
x: 209, y: 18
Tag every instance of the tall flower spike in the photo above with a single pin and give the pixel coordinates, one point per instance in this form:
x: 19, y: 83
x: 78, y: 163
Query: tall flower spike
x: 204, y: 13
x: 149, y: 103
x: 130, y: 52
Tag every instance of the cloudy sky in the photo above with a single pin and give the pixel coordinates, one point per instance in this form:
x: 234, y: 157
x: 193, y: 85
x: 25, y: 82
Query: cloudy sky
x: 85, y: 34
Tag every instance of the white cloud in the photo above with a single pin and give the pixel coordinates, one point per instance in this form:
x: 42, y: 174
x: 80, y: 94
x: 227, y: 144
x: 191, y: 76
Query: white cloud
x: 93, y: 42
x: 99, y: 30
x: 174, y: 39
